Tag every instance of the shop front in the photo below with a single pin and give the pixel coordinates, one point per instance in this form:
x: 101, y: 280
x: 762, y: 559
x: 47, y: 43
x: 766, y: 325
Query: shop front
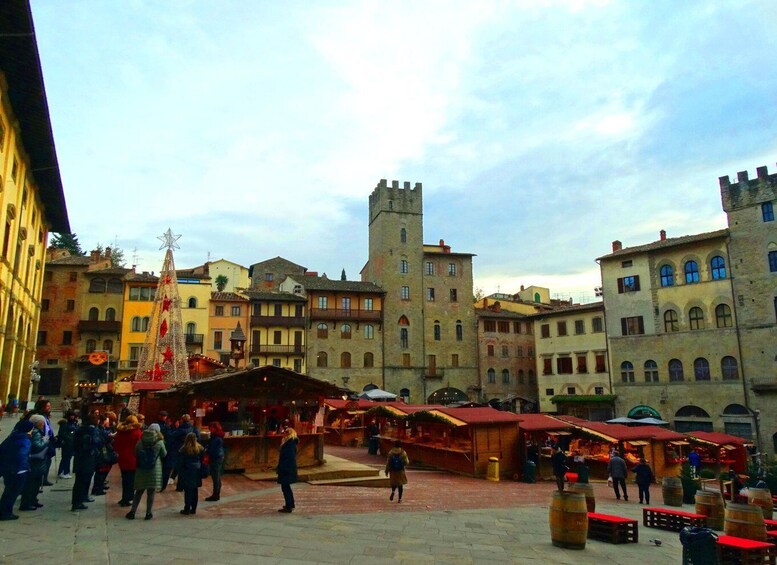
x: 345, y: 422
x: 720, y: 452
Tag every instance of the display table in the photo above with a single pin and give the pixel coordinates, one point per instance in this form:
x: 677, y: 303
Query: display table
x: 260, y: 453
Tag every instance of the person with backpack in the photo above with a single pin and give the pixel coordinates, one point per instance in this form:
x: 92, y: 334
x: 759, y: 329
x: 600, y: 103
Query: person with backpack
x: 148, y: 476
x: 127, y: 437
x: 287, y: 467
x: 39, y: 444
x: 190, y: 472
x: 15, y: 466
x: 395, y: 469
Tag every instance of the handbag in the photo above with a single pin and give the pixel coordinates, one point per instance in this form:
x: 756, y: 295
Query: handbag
x: 609, y: 481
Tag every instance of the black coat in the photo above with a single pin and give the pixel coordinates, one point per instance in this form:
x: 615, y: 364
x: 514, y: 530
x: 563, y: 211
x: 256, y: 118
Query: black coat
x: 287, y: 462
x: 643, y: 474
x: 189, y: 469
x: 86, y: 445
x: 559, y: 462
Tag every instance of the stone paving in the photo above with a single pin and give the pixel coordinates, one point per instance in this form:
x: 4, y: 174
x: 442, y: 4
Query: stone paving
x: 443, y: 519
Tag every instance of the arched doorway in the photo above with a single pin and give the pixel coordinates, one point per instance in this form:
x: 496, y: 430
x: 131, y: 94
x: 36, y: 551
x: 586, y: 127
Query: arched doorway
x: 447, y: 395
x: 644, y: 411
x: 692, y: 418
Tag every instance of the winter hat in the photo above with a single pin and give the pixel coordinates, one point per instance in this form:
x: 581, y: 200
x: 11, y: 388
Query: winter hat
x: 155, y: 428
x: 24, y: 426
x: 37, y: 419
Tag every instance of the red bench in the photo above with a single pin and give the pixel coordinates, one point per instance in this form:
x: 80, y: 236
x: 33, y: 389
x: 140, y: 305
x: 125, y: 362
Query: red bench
x: 770, y: 524
x: 741, y: 551
x: 612, y: 529
x: 771, y: 536
x: 672, y: 520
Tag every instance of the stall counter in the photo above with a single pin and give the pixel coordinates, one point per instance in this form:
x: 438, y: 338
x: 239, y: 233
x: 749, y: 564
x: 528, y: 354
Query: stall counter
x: 257, y: 453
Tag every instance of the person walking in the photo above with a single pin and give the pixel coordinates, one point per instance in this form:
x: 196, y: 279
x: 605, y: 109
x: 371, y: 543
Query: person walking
x: 617, y: 469
x: 149, y: 451
x: 395, y: 470
x: 127, y: 437
x: 287, y: 467
x: 43, y: 408
x: 39, y: 447
x: 65, y: 433
x: 216, y: 459
x: 190, y: 472
x: 86, y: 443
x: 644, y: 477
x: 694, y: 460
x: 15, y: 466
x: 559, y: 463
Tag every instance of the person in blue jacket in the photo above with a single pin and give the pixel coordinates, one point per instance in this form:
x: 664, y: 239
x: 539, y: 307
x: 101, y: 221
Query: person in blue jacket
x: 15, y: 466
x: 216, y: 458
x: 287, y: 467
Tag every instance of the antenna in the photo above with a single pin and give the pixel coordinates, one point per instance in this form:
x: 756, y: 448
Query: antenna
x: 208, y: 256
x: 135, y: 257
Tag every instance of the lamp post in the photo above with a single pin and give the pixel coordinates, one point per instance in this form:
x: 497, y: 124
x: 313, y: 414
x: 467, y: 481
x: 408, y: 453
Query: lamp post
x: 237, y: 340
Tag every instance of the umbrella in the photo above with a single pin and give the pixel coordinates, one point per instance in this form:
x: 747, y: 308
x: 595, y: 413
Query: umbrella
x: 621, y: 420
x: 377, y: 394
x: 650, y: 422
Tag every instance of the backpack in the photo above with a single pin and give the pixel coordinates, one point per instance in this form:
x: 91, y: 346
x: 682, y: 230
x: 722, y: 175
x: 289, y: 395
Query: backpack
x: 396, y: 462
x: 146, y: 457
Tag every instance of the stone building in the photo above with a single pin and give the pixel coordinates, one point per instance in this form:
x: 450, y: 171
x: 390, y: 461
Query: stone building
x: 268, y: 275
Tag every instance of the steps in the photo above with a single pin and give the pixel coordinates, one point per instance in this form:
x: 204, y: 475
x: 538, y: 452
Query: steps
x: 333, y: 469
x: 373, y: 482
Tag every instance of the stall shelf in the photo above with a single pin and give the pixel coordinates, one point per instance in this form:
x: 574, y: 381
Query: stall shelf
x: 345, y: 422
x: 720, y: 452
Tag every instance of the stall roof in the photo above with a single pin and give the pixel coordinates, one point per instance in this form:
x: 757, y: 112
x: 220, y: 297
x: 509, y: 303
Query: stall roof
x: 541, y: 423
x: 340, y: 404
x: 469, y: 416
x: 716, y: 438
x: 662, y: 434
x: 614, y: 432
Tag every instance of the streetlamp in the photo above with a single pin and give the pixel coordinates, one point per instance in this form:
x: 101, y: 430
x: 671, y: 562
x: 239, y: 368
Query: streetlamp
x: 237, y: 340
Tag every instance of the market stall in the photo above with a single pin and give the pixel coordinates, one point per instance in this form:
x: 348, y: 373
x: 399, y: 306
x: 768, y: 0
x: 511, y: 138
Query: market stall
x: 251, y: 404
x: 345, y: 422
x: 720, y: 452
x: 537, y: 433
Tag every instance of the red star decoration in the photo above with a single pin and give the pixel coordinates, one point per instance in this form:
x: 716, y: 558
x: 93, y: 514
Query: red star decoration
x: 166, y: 302
x: 156, y: 373
x: 167, y: 279
x: 168, y: 355
x: 163, y: 329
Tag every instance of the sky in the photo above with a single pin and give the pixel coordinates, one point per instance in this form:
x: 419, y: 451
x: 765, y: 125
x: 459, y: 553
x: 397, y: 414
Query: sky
x: 541, y: 130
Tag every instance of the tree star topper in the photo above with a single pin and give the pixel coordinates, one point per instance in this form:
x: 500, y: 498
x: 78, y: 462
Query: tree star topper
x: 169, y: 240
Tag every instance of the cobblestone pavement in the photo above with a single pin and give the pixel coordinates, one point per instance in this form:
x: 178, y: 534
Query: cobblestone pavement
x: 443, y: 519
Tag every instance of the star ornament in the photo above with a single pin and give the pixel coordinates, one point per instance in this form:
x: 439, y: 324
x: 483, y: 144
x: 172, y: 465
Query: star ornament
x: 169, y: 240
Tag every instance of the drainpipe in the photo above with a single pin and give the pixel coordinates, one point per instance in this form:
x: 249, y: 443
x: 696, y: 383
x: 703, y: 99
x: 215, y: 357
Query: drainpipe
x: 606, y: 336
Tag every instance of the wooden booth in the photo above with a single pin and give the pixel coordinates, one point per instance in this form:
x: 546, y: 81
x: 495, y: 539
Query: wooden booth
x: 251, y: 404
x: 345, y: 422
x: 720, y: 452
x: 537, y: 433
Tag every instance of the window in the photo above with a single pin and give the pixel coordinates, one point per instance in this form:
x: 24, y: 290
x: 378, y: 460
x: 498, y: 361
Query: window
x: 191, y: 328
x: 505, y: 376
x: 277, y: 337
x: 632, y: 325
x: 322, y: 331
x: 545, y: 330
x: 454, y: 359
x: 701, y: 369
x: 503, y: 327
x: 192, y: 302
x: 110, y: 315
x: 321, y: 359
x: 571, y: 390
x: 531, y: 377
x: 598, y: 390
x: 628, y: 284
x: 691, y: 272
x: 519, y: 351
x: 564, y: 365
x: 549, y: 392
x: 459, y: 331
x: 671, y: 323
x: 369, y: 331
x: 345, y: 331
x: 345, y: 360
x: 489, y: 325
x: 276, y: 362
x: 579, y: 327
x: 718, y: 266
x: 452, y: 269
x: 91, y: 345
x: 67, y: 337
x: 723, y: 317
x: 369, y: 360
x: 596, y: 324
x: 627, y: 372
x: 490, y: 350
x: 667, y: 276
x: 491, y: 376
x: 651, y: 371
x: 97, y: 285
x: 70, y: 306
x: 73, y: 276
x: 729, y: 368
x: 268, y: 277
x: 429, y: 268
x: 767, y: 212
x: 529, y: 328
x: 368, y: 304
x: 146, y: 322
x: 505, y: 351
x: 403, y: 268
x: 430, y: 294
x: 299, y: 310
x: 42, y: 338
x: 44, y: 305
x: 135, y: 324
x: 521, y: 377
x: 516, y: 327
x: 115, y: 286
x: 108, y: 346
x: 235, y: 311
x: 403, y: 235
x: 454, y: 295
x: 696, y: 318
x: 322, y: 302
x: 405, y: 293
x: 277, y: 309
x: 676, y: 371
x: 345, y: 303
x: 582, y: 366
x: 217, y: 339
x: 437, y: 332
x: 219, y: 311
x: 773, y: 261
x: 601, y: 363
x: 626, y: 264
x: 403, y: 338
x: 94, y: 314
x: 547, y: 366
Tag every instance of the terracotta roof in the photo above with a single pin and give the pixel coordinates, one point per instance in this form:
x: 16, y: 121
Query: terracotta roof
x: 564, y: 310
x: 277, y: 296
x: 227, y: 297
x: 541, y: 423
x: 481, y: 415
x: 71, y: 260
x: 320, y: 283
x: 668, y: 242
x: 717, y: 438
x: 487, y: 313
x: 109, y: 271
x: 142, y: 277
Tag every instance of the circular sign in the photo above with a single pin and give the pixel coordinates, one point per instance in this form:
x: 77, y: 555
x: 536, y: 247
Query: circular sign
x: 98, y: 357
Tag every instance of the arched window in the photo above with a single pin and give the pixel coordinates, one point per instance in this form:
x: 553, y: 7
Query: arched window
x: 520, y: 376
x: 459, y: 331
x: 667, y: 276
x: 322, y: 331
x: 403, y: 235
x: 321, y: 359
x: 701, y: 369
x: 736, y: 410
x: 404, y: 340
x: 691, y: 272
x: 94, y: 314
x: 91, y: 345
x: 145, y: 324
x: 403, y: 321
x: 135, y: 325
x: 97, y: 285
x: 676, y: 371
x: 110, y: 315
x: 447, y: 395
x: 369, y: 360
x: 115, y: 286
x: 437, y: 332
x: 491, y: 376
x: 108, y: 345
x: 723, y: 317
x: 404, y: 393
x: 696, y: 318
x: 345, y: 360
x: 537, y: 297
x: 345, y: 331
x: 369, y: 331
x: 505, y: 376
x: 671, y: 323
x: 729, y: 368
x: 627, y: 372
x: 192, y: 302
x: 692, y: 418
x: 718, y: 265
x: 191, y: 328
x: 691, y: 411
x: 403, y: 266
x: 371, y: 386
x: 651, y: 371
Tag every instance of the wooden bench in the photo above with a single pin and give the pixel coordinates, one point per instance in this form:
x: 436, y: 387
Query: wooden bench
x: 672, y: 520
x: 741, y: 551
x: 612, y: 529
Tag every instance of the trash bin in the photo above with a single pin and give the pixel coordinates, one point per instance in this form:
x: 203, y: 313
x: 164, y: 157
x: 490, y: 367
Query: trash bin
x: 372, y: 445
x: 699, y: 546
x: 529, y: 471
x: 493, y: 469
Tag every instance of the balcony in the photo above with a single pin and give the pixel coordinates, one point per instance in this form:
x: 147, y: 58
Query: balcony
x: 280, y: 321
x: 194, y: 339
x: 277, y: 350
x: 336, y: 314
x: 433, y: 373
x: 128, y: 364
x: 99, y: 326
x: 763, y: 386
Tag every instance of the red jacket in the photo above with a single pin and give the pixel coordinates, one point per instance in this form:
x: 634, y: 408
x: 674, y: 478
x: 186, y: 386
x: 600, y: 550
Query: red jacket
x: 124, y: 442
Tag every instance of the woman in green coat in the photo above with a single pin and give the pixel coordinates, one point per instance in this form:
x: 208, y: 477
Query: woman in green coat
x: 149, y: 451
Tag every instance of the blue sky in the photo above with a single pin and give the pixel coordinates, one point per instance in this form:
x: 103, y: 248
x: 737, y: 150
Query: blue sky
x: 540, y: 130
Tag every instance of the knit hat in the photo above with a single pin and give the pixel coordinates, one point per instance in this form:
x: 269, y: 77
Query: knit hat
x: 37, y: 419
x: 155, y: 428
x: 131, y: 420
x: 23, y: 426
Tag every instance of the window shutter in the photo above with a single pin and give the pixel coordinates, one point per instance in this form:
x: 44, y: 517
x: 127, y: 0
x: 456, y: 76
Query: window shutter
x: 620, y: 286
x: 624, y: 327
x: 641, y: 325
x: 636, y: 282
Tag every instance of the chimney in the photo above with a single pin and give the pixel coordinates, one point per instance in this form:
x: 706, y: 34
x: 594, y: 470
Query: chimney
x: 522, y: 289
x: 107, y: 252
x: 616, y: 246
x: 94, y: 255
x: 662, y: 235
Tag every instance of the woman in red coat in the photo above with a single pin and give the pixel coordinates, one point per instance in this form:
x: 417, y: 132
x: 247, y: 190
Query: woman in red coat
x: 127, y: 437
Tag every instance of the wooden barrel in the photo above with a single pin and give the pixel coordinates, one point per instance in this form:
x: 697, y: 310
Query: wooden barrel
x: 568, y: 520
x: 745, y: 521
x: 586, y: 489
x: 761, y: 497
x: 672, y: 489
x: 710, y: 504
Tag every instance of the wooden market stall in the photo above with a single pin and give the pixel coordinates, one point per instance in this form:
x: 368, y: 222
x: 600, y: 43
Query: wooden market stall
x: 345, y: 422
x: 251, y: 404
x: 720, y: 452
x: 537, y: 433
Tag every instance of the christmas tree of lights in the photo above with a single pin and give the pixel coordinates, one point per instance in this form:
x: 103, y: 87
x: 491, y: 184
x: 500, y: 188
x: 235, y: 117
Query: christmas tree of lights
x: 163, y: 357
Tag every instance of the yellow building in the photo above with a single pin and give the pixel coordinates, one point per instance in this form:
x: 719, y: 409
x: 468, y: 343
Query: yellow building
x: 227, y: 309
x: 194, y: 290
x: 32, y: 201
x: 237, y: 275
x: 277, y: 330
x: 139, y: 295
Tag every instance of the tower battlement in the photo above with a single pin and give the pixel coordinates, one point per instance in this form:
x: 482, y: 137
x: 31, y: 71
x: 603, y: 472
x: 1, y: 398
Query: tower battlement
x: 390, y: 198
x: 746, y: 191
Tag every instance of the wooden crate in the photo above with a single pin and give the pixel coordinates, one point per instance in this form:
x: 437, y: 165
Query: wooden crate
x: 612, y: 529
x: 672, y: 520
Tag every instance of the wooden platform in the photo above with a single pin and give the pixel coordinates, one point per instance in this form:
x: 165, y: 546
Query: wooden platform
x: 672, y: 520
x: 333, y: 468
x: 612, y: 529
x: 741, y: 551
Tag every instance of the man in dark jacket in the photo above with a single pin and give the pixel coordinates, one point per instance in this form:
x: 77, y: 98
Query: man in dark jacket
x: 644, y: 477
x: 617, y: 470
x: 15, y: 466
x: 559, y: 463
x: 86, y: 445
x: 65, y: 434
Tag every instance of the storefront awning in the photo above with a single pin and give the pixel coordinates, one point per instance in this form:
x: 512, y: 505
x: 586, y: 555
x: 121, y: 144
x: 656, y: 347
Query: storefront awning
x: 639, y: 442
x: 583, y: 398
